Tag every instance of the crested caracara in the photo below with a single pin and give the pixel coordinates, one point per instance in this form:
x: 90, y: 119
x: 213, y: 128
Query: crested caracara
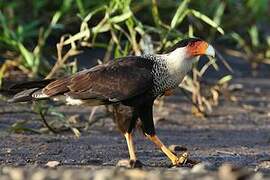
x: 133, y: 81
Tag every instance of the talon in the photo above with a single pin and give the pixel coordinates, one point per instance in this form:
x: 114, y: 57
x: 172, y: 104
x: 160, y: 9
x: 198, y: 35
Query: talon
x: 182, y: 159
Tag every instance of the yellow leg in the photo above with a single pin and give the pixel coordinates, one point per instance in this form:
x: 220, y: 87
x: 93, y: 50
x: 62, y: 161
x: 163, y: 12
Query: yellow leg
x: 131, y: 148
x: 175, y: 160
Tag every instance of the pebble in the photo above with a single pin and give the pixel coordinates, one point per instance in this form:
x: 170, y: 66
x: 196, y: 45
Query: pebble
x: 227, y: 171
x: 39, y: 175
x: 16, y: 174
x: 52, y: 164
x: 199, y: 171
x: 199, y: 168
x: 103, y: 174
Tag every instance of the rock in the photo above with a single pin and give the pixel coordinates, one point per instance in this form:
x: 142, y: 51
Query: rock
x: 39, y: 175
x: 103, y: 174
x: 227, y: 171
x: 136, y: 174
x: 129, y: 163
x: 200, y: 168
x: 127, y: 174
x: 52, y: 164
x: 263, y: 165
x: 16, y: 174
x: 235, y: 87
x: 8, y: 150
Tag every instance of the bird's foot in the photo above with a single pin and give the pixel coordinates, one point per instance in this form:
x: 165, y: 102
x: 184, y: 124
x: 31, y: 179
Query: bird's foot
x: 129, y: 163
x: 181, y: 159
x: 184, y: 160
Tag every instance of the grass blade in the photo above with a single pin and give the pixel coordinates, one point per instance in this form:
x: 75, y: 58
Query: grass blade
x: 120, y: 18
x: 207, y: 20
x: 181, y: 12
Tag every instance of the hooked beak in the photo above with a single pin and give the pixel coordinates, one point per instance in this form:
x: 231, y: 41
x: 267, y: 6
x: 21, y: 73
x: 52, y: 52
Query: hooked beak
x: 210, y: 51
x: 200, y: 48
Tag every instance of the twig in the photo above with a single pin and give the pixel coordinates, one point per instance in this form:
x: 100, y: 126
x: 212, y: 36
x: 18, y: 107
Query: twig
x: 92, y: 114
x: 226, y: 64
x: 194, y: 104
x: 60, y: 58
x: 46, y: 123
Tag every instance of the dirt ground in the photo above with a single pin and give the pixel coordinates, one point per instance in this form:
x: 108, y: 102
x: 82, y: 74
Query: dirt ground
x: 236, y: 132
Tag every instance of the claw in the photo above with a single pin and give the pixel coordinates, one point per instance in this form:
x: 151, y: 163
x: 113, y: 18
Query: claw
x: 181, y: 159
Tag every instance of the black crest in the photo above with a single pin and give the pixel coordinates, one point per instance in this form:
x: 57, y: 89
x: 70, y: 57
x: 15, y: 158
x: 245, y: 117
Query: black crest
x: 183, y: 43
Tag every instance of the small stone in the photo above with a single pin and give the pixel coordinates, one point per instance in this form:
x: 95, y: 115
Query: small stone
x: 68, y: 161
x: 52, y: 164
x: 16, y: 174
x: 264, y: 164
x: 123, y: 163
x: 257, y: 176
x: 235, y: 87
x: 135, y: 174
x: 69, y: 175
x: 129, y: 163
x: 227, y: 171
x: 39, y: 175
x: 103, y: 174
x: 257, y: 90
x: 8, y: 150
x: 199, y: 168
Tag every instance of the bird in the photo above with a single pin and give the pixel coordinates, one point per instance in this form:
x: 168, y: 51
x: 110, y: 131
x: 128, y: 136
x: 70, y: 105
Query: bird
x: 134, y: 82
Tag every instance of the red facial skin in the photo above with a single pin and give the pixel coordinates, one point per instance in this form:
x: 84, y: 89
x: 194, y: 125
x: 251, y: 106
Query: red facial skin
x: 197, y: 48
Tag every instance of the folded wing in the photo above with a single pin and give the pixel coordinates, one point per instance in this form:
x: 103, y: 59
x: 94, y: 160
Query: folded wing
x: 114, y: 81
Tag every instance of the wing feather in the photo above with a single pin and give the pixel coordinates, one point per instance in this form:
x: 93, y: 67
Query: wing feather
x: 114, y: 81
x: 56, y: 87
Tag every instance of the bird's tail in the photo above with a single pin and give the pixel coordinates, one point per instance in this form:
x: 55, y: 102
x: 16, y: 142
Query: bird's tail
x: 26, y: 89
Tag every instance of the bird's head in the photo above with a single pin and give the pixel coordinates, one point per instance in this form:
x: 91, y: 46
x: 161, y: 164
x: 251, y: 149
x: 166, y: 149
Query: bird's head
x: 182, y: 55
x: 191, y: 48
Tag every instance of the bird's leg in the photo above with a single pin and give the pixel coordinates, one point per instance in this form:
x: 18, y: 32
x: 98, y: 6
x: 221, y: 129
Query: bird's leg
x: 125, y: 119
x: 176, y: 161
x: 130, y: 145
x: 145, y: 112
x: 132, y: 162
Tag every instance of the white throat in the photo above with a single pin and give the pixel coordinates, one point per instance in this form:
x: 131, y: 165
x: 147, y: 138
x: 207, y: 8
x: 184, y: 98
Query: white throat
x: 169, y: 69
x: 178, y: 63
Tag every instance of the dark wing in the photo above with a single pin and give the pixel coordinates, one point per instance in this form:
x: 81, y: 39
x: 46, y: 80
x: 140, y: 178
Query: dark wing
x: 30, y: 84
x: 115, y: 81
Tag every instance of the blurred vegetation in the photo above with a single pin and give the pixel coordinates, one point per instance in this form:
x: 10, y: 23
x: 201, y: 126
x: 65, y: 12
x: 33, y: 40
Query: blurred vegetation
x: 41, y: 38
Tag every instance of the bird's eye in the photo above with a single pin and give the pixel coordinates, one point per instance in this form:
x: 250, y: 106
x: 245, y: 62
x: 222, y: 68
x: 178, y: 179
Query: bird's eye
x: 192, y: 44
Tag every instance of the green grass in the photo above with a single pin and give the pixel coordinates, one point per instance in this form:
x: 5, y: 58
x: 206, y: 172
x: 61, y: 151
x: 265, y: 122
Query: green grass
x: 128, y: 23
